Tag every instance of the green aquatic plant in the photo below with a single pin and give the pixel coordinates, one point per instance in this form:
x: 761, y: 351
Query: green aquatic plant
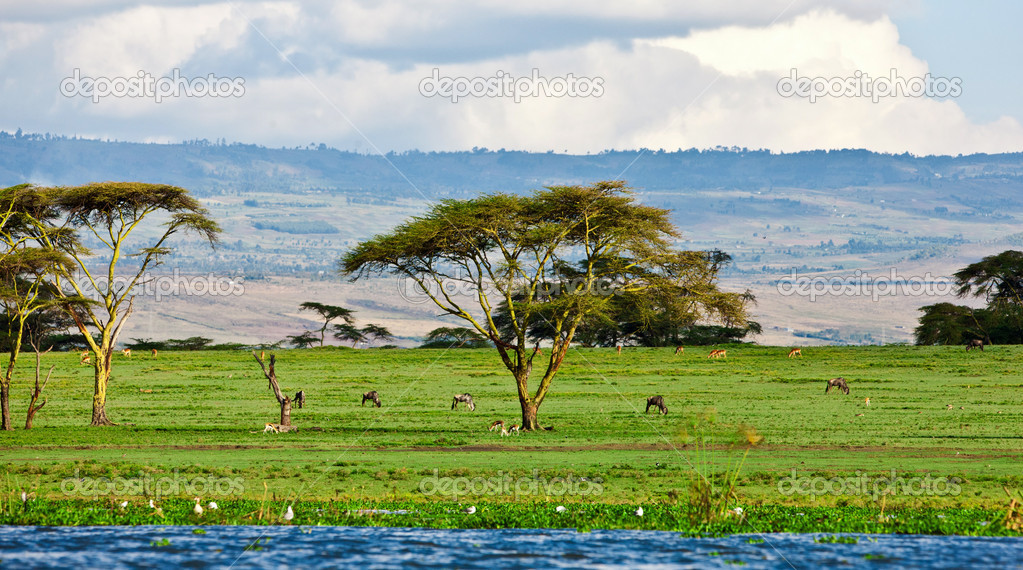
x: 710, y: 494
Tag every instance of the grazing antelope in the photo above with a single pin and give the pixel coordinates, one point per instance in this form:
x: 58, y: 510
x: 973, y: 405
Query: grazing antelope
x: 465, y: 399
x: 86, y: 358
x: 866, y: 402
x: 718, y: 353
x: 619, y: 348
x: 795, y: 352
x: 679, y: 350
x: 262, y: 354
x: 270, y: 428
x: 837, y: 383
x: 154, y: 353
x: 656, y: 401
x: 126, y: 352
x: 514, y: 429
x: 497, y: 424
x: 371, y: 396
x: 975, y: 343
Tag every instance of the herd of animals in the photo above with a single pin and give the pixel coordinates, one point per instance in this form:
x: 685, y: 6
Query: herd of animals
x: 652, y: 402
x: 656, y: 402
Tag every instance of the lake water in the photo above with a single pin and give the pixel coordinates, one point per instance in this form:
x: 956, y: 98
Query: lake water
x: 375, y: 547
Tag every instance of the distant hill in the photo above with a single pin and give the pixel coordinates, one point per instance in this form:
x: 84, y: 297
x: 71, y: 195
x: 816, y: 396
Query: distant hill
x: 212, y: 168
x: 291, y: 212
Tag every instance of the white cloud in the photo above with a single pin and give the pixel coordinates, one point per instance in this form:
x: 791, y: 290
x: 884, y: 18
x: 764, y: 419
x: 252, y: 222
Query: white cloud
x: 705, y: 85
x: 149, y: 38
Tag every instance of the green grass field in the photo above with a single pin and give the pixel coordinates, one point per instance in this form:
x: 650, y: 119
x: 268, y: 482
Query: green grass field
x: 200, y: 416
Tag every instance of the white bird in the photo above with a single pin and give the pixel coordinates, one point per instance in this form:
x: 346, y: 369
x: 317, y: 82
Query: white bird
x: 124, y: 505
x: 24, y: 497
x: 560, y: 509
x: 639, y: 512
x: 470, y: 510
x: 212, y: 506
x: 151, y: 505
x: 197, y: 509
x: 289, y: 514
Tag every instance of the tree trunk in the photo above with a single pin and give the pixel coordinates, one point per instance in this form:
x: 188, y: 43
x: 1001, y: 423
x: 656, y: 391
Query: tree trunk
x: 529, y: 416
x: 99, y: 396
x: 286, y: 412
x: 37, y: 392
x: 33, y: 408
x: 5, y: 403
x: 284, y: 401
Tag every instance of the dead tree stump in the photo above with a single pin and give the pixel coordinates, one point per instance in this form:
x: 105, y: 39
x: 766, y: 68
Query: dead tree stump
x: 284, y: 401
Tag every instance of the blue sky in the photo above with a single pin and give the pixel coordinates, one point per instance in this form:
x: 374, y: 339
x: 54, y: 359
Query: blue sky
x: 978, y: 41
x: 598, y: 74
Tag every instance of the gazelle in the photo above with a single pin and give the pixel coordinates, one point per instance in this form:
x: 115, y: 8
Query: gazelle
x: 795, y: 352
x: 270, y: 428
x: 619, y: 348
x: 866, y: 402
x: 679, y: 350
x: 126, y: 352
x: 718, y: 353
x: 496, y: 425
x: 154, y: 353
x: 86, y: 358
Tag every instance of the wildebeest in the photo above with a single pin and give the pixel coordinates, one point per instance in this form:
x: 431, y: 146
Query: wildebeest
x: 300, y: 398
x: 657, y: 401
x: 371, y: 396
x: 975, y: 343
x: 837, y: 383
x: 465, y: 399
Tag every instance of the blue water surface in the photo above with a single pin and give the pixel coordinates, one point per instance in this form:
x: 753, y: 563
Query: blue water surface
x: 380, y: 547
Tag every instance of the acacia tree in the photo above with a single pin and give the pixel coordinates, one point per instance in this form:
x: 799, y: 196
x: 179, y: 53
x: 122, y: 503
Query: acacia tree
x: 110, y: 214
x: 328, y: 313
x: 24, y: 285
x: 347, y: 332
x: 555, y: 257
x: 999, y: 279
x: 454, y: 337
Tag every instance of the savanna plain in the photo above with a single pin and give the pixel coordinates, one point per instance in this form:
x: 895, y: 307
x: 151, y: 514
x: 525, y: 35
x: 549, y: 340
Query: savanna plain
x: 750, y: 443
